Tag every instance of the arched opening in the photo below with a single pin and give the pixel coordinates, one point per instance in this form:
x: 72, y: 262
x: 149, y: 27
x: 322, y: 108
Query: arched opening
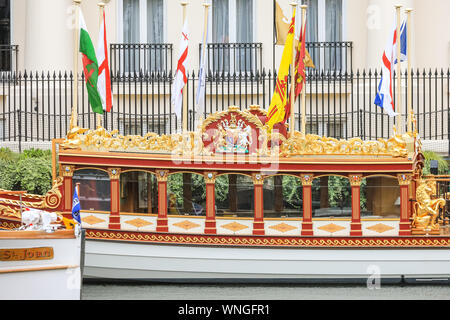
x: 283, y: 196
x: 186, y: 194
x: 138, y: 192
x: 94, y: 190
x: 234, y: 196
x: 331, y: 197
x: 380, y: 197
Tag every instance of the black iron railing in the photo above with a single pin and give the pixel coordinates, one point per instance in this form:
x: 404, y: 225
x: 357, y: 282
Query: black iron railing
x: 233, y: 58
x: 8, y: 57
x: 136, y: 57
x: 37, y: 106
x: 331, y: 56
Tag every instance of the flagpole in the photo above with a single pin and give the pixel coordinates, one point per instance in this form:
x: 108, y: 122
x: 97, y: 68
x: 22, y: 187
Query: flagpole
x: 292, y: 115
x: 399, y: 78
x: 304, y: 7
x: 205, y: 31
x: 410, y: 110
x: 101, y: 7
x: 74, y: 116
x: 185, y: 116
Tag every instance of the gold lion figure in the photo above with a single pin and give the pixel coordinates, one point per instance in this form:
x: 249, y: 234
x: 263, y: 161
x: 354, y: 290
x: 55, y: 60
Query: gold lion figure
x: 426, y: 210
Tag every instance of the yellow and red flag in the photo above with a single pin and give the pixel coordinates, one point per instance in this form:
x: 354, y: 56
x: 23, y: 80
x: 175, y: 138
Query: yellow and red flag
x: 276, y: 110
x: 300, y: 75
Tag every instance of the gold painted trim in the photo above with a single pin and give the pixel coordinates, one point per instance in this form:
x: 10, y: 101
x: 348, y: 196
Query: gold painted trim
x: 253, y: 170
x: 139, y: 214
x: 96, y: 212
x: 185, y: 217
x: 235, y: 159
x: 43, y: 268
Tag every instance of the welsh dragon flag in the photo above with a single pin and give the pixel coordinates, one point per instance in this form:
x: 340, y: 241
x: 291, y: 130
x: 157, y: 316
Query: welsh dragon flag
x: 90, y: 67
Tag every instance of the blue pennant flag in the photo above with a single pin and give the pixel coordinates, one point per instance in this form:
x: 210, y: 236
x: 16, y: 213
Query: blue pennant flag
x: 76, y: 207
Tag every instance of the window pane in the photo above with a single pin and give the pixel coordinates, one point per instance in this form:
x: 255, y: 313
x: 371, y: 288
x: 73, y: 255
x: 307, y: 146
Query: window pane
x: 331, y: 197
x: 131, y: 35
x: 220, y: 55
x: 138, y: 192
x: 131, y: 21
x: 94, y: 190
x: 155, y: 34
x: 311, y: 22
x: 220, y: 21
x: 380, y: 198
x: 186, y: 193
x: 283, y: 197
x: 5, y: 53
x: 244, y: 20
x: 333, y: 27
x: 234, y: 196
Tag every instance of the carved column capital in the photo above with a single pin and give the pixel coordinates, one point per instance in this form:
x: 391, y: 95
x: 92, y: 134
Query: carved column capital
x: 307, y: 179
x: 258, y: 179
x: 114, y: 173
x: 404, y: 179
x: 355, y: 180
x: 162, y: 175
x: 67, y: 171
x: 210, y: 177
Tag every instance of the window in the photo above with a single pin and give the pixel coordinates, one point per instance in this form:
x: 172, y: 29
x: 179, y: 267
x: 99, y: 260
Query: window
x: 6, y: 50
x: 141, y: 126
x: 142, y: 22
x: 325, y: 126
x: 94, y: 191
x: 138, y: 192
x: 325, y: 25
x: 232, y: 33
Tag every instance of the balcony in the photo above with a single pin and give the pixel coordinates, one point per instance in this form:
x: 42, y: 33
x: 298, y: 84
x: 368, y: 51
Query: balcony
x: 133, y: 58
x: 233, y: 58
x: 8, y: 58
x: 331, y: 57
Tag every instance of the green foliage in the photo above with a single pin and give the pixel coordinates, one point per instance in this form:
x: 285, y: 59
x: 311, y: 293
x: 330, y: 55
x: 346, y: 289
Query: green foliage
x: 30, y: 171
x: 8, y: 155
x: 292, y: 191
x: 442, y: 163
x: 175, y: 186
x: 36, y: 153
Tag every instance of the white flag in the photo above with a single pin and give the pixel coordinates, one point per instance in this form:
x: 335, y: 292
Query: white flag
x: 180, y: 75
x: 200, y: 98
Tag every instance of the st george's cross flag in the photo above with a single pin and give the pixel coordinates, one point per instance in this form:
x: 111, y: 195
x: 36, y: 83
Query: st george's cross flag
x: 180, y: 75
x: 90, y: 66
x: 104, y: 77
x: 384, y: 98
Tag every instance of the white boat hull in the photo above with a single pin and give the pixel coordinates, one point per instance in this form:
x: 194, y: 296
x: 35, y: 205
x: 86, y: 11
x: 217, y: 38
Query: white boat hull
x: 195, y: 263
x: 49, y: 279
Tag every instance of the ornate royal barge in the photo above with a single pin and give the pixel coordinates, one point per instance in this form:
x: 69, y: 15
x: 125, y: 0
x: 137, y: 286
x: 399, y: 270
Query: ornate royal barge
x: 233, y: 201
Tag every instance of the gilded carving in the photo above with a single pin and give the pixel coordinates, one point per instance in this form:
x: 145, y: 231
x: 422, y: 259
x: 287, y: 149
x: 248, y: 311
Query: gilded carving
x: 210, y: 177
x: 404, y: 179
x: 68, y: 171
x: 307, y: 179
x: 162, y: 175
x: 426, y: 209
x: 114, y: 173
x: 322, y: 242
x: 258, y: 179
x: 51, y: 200
x: 192, y: 143
x: 355, y: 180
